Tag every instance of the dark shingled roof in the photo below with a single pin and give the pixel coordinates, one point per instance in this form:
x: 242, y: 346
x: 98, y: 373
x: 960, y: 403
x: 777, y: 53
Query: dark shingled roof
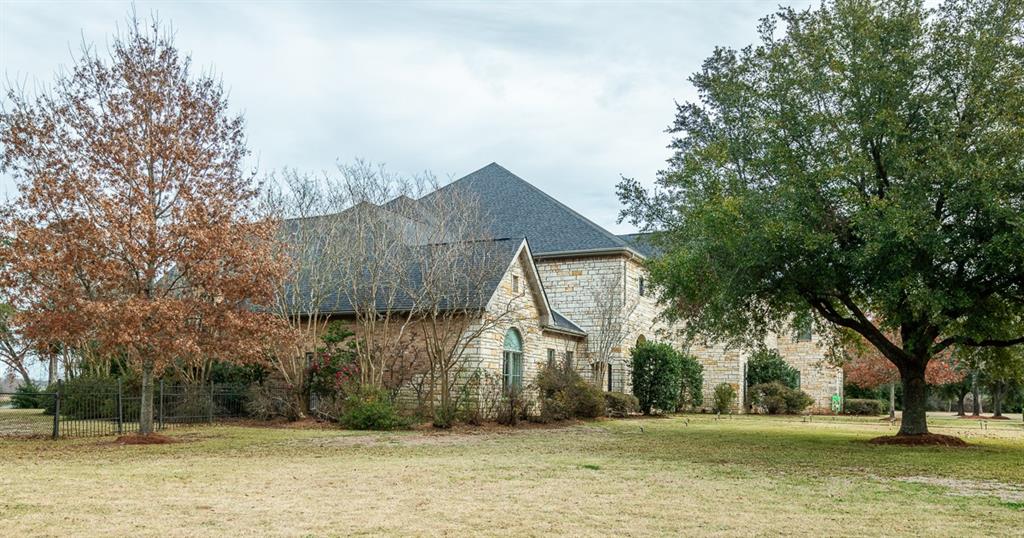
x: 493, y: 256
x: 564, y: 324
x: 519, y: 209
x: 640, y: 243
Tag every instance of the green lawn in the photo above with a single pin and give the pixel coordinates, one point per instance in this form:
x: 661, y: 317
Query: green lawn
x: 684, y: 475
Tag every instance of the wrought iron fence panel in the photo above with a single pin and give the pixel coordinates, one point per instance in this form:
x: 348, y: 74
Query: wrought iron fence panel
x: 105, y: 408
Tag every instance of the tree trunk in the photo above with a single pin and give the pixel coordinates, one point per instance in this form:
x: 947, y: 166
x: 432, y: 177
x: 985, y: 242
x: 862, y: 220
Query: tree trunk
x: 915, y: 401
x: 53, y: 369
x: 960, y: 405
x: 146, y: 407
x: 997, y: 399
x: 892, y: 401
x: 975, y: 397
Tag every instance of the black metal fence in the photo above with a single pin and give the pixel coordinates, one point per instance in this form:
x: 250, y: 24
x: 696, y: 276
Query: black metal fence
x: 114, y: 409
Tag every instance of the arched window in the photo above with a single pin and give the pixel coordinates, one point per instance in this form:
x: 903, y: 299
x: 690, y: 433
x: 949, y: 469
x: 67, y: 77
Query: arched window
x: 512, y: 361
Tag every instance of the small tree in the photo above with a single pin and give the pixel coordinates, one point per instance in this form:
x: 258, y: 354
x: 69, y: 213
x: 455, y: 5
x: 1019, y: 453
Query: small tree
x: 611, y: 311
x: 725, y: 396
x: 656, y: 376
x: 768, y: 366
x: 865, y: 367
x: 134, y: 231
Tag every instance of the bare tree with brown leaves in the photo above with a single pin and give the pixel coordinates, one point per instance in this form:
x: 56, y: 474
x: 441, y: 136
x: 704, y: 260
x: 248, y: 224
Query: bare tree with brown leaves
x: 611, y: 309
x: 133, y: 229
x: 457, y: 271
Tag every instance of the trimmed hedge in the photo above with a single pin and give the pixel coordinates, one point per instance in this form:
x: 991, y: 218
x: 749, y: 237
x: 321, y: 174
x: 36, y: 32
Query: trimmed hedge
x: 862, y: 406
x: 775, y: 398
x: 657, y: 373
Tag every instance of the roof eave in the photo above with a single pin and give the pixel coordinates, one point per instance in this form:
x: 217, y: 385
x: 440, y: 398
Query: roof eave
x: 561, y: 330
x: 589, y: 252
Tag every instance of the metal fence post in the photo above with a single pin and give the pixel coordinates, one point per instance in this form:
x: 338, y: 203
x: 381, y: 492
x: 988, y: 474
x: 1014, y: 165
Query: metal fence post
x: 160, y: 410
x: 56, y: 411
x: 120, y: 409
x: 211, y: 401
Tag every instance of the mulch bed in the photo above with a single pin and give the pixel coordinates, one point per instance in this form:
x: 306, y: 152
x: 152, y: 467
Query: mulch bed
x: 150, y: 439
x: 984, y: 417
x: 927, y: 439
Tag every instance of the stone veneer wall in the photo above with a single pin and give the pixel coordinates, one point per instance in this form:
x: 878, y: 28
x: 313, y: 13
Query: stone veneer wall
x: 571, y: 283
x: 489, y: 350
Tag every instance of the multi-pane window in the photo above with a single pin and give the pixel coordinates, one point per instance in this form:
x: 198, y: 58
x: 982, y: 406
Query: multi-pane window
x: 512, y: 362
x: 568, y: 358
x: 551, y: 357
x: 515, y: 283
x: 642, y: 289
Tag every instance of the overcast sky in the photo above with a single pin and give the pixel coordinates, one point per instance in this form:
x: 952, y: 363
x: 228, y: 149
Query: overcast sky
x: 568, y: 96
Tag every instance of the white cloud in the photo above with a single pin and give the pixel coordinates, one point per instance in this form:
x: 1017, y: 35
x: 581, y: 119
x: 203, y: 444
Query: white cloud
x: 569, y: 96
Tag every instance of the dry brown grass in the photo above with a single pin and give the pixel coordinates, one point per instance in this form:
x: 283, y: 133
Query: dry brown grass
x: 750, y: 476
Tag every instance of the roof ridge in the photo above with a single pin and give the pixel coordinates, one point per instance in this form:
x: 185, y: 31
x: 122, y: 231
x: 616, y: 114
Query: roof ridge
x: 572, y: 211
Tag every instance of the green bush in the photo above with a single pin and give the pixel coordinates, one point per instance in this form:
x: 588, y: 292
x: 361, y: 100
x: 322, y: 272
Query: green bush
x: 691, y: 390
x: 861, y: 406
x: 656, y: 376
x: 775, y: 398
x: 87, y: 397
x: 767, y: 366
x: 797, y: 401
x: 620, y: 404
x: 566, y: 395
x: 725, y: 397
x: 370, y: 409
x: 27, y: 396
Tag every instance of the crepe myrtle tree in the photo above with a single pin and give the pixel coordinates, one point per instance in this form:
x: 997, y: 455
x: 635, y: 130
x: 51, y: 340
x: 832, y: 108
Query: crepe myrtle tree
x: 133, y: 232
x: 864, y: 161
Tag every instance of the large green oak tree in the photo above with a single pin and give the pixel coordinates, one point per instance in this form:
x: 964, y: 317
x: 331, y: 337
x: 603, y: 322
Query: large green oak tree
x: 863, y: 165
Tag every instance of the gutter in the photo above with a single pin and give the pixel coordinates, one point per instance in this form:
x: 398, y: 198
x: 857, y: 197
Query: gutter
x: 589, y: 252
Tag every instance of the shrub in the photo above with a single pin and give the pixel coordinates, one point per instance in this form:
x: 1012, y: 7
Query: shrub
x: 27, y: 396
x: 566, y: 395
x: 656, y: 376
x: 371, y: 409
x: 333, y: 370
x: 87, y: 397
x: 767, y: 366
x: 775, y: 398
x: 620, y: 404
x: 797, y: 401
x: 725, y: 396
x: 861, y: 406
x: 266, y: 401
x: 691, y: 390
x: 513, y: 407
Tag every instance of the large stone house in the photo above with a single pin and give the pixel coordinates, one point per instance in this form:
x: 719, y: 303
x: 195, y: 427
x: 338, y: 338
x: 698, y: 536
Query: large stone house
x: 579, y: 293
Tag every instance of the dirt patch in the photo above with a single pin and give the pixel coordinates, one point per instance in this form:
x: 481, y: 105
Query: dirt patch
x: 149, y: 439
x: 307, y: 423
x: 458, y: 435
x: 927, y: 439
x: 1008, y: 493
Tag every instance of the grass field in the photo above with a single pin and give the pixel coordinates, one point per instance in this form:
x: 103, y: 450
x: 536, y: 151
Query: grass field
x: 682, y: 475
